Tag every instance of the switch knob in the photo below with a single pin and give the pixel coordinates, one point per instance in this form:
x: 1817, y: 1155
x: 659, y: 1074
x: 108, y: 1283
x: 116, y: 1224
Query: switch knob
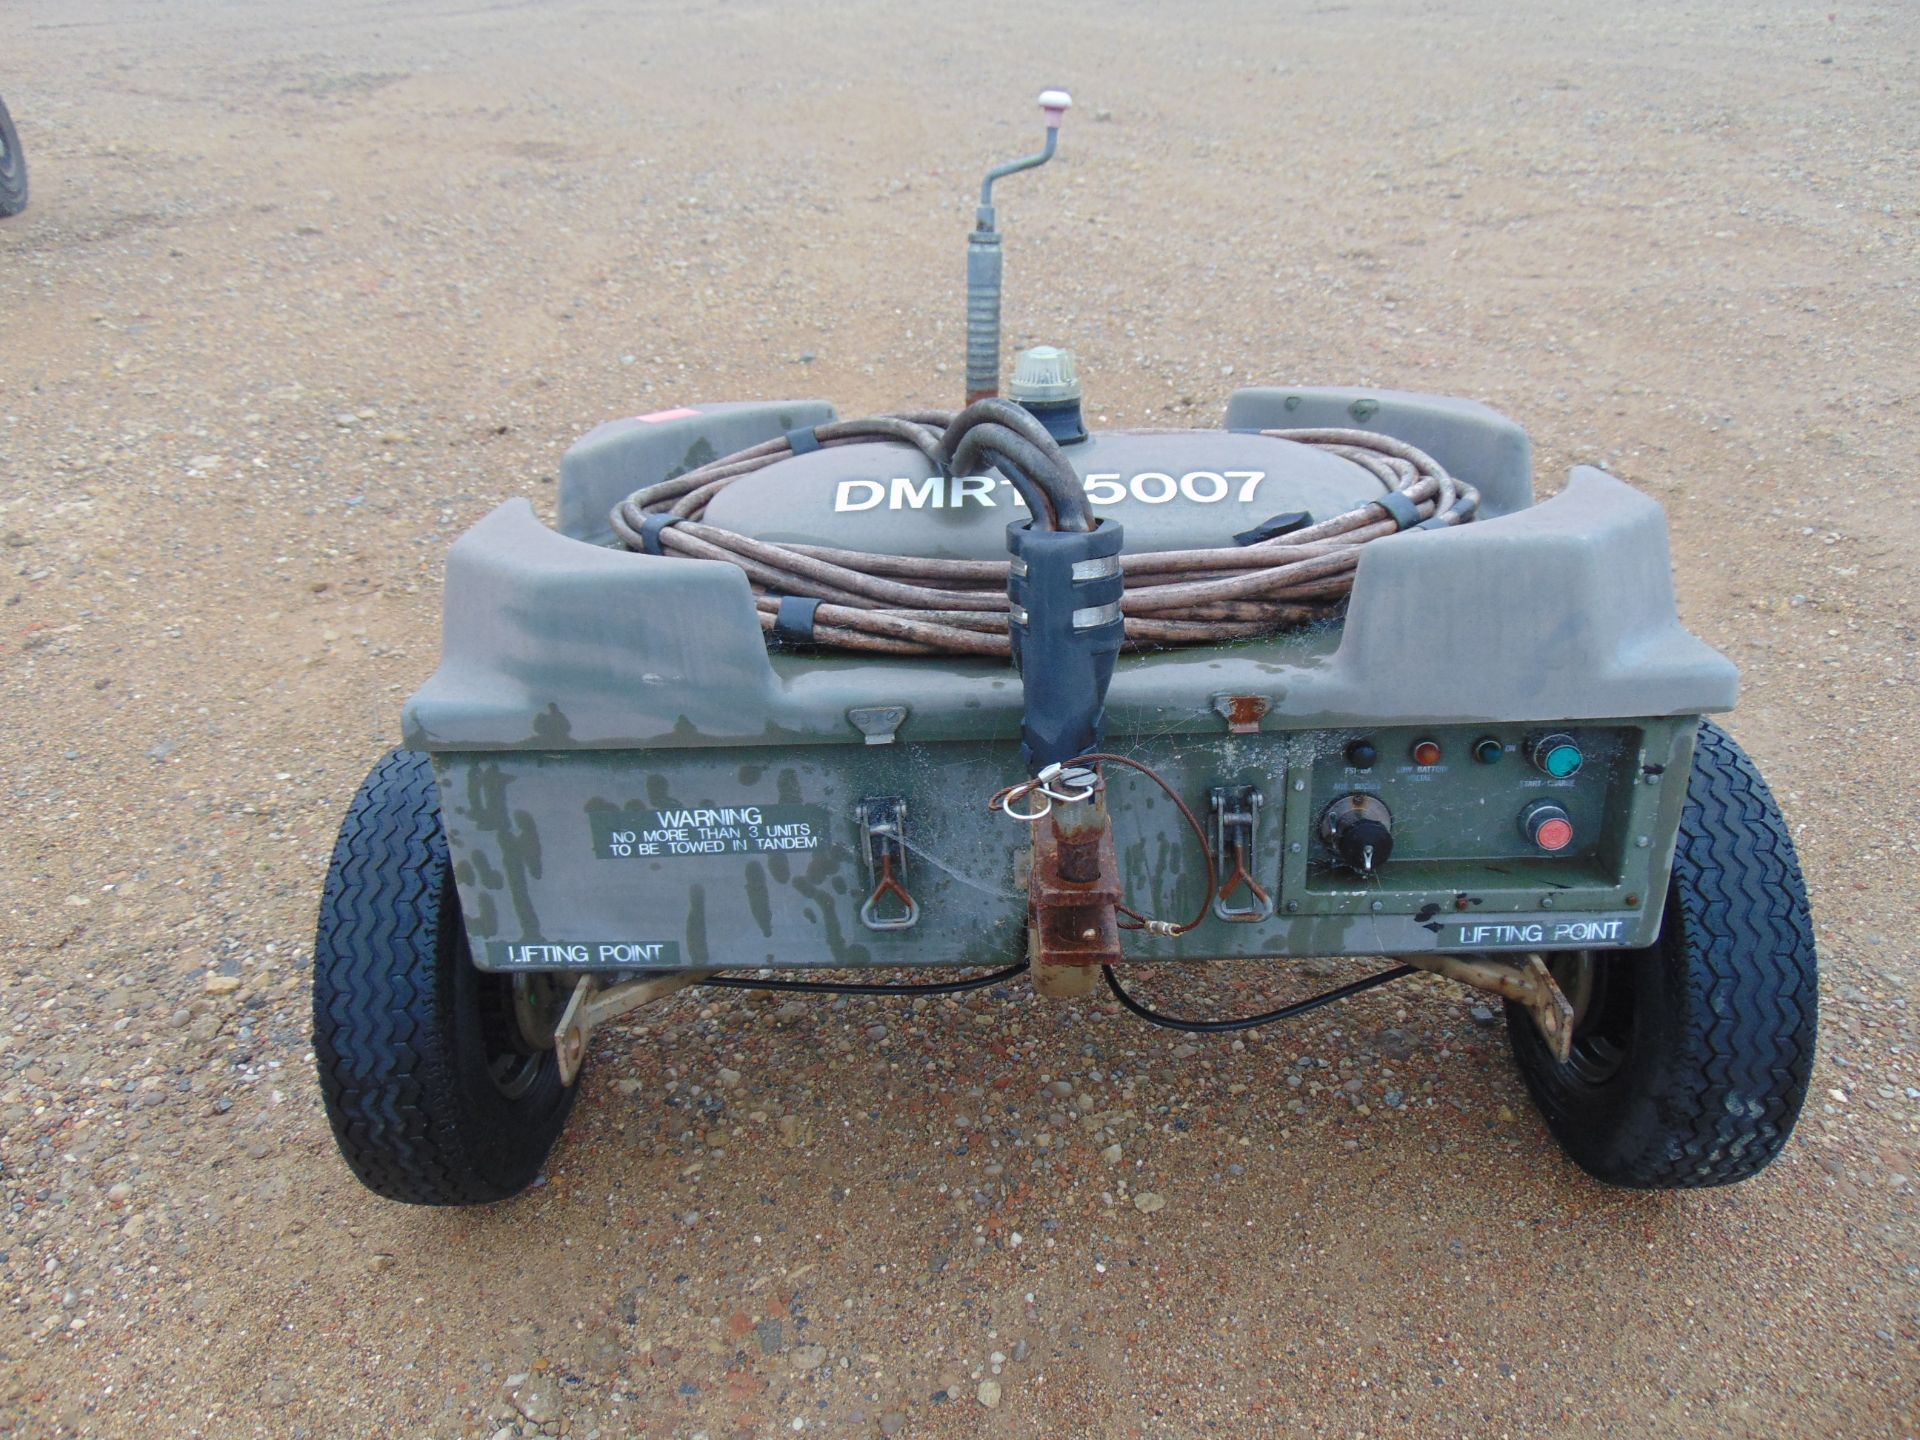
x: 1359, y: 831
x: 1547, y: 825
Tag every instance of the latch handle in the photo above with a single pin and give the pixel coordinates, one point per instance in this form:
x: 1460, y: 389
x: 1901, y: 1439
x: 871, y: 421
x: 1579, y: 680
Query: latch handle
x: 883, y: 825
x: 889, y: 884
x: 1236, y: 829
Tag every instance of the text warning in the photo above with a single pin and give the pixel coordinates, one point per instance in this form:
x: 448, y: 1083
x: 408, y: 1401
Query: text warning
x: 708, y: 830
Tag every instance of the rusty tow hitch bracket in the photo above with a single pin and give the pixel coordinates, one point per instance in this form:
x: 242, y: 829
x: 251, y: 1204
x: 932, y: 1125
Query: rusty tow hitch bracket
x: 1073, y: 884
x: 1075, y: 911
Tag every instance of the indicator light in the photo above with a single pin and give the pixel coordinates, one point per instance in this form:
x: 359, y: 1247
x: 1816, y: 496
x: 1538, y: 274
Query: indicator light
x: 1557, y: 755
x: 1361, y: 754
x: 1488, y: 751
x: 1426, y: 752
x: 1547, y: 825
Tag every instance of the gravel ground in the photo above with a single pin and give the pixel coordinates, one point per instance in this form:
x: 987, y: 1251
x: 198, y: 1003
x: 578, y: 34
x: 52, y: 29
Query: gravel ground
x: 304, y: 290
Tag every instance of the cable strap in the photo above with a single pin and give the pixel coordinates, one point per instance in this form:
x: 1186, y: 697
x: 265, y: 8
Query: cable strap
x: 793, y: 621
x: 1403, y: 512
x: 650, y: 529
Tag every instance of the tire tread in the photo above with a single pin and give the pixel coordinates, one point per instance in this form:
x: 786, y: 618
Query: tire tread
x: 1723, y: 1101
x: 392, y: 1092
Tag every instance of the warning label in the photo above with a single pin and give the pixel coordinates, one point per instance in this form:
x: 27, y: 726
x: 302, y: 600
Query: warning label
x: 708, y: 830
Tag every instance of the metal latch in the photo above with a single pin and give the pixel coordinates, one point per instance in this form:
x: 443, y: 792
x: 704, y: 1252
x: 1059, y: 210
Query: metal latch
x: 883, y: 828
x: 1236, y: 858
x: 1243, y: 713
x: 878, y: 723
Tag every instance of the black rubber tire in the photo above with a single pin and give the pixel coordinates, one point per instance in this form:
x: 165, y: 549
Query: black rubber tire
x: 13, y: 167
x: 1709, y: 1032
x: 406, y: 1029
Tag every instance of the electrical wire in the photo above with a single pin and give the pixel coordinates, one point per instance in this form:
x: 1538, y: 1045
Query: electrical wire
x: 995, y: 977
x: 1248, y: 1022
x: 916, y: 605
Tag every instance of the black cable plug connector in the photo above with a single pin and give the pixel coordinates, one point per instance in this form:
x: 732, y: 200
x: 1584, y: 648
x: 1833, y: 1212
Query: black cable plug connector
x: 1067, y: 629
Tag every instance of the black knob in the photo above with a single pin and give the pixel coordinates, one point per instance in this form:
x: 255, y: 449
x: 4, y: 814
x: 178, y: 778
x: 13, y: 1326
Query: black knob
x: 1359, y: 831
x: 1361, y: 754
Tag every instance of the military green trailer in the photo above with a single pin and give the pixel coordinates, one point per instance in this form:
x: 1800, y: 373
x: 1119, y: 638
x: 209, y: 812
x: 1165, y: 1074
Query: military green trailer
x: 784, y: 697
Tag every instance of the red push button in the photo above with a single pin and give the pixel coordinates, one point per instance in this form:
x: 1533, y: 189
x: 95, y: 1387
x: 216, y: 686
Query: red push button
x: 1547, y: 826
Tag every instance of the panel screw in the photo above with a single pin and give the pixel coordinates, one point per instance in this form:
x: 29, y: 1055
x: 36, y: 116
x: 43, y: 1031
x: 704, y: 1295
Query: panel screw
x: 1377, y: 907
x: 1299, y: 784
x: 1546, y: 902
x: 1633, y: 900
x: 1293, y: 905
x: 1643, y: 843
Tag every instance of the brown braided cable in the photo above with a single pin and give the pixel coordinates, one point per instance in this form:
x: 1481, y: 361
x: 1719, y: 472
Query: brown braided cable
x: 905, y: 605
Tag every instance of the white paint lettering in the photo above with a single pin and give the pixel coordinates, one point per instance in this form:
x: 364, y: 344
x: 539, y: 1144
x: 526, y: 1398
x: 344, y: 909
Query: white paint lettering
x: 843, y: 499
x: 915, y: 494
x: 1150, y: 487
x: 1203, y: 487
x: 970, y: 487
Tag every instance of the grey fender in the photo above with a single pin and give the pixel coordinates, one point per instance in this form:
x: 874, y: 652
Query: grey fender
x: 1563, y: 611
x: 1472, y: 440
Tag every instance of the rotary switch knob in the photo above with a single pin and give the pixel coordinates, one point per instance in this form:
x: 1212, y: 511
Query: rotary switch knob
x: 1547, y: 826
x: 1359, y: 831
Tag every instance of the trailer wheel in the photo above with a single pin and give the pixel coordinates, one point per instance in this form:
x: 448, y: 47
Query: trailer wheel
x: 440, y: 1079
x: 13, y: 167
x: 1691, y: 1058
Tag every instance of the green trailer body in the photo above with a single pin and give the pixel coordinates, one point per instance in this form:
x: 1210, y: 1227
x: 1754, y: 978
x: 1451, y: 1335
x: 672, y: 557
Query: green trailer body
x: 630, y: 778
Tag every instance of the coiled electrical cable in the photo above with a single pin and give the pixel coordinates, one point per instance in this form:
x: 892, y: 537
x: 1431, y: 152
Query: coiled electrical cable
x: 912, y: 605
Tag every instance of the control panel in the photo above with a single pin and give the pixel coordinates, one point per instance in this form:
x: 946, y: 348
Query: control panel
x: 1438, y: 795
x: 1391, y: 839
x: 1478, y: 817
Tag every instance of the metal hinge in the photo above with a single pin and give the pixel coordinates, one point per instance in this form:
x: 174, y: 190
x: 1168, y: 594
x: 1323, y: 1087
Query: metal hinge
x: 1236, y: 856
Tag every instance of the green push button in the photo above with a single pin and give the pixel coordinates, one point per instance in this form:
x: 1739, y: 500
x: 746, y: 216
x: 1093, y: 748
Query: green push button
x: 1562, y: 761
x: 1557, y: 755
